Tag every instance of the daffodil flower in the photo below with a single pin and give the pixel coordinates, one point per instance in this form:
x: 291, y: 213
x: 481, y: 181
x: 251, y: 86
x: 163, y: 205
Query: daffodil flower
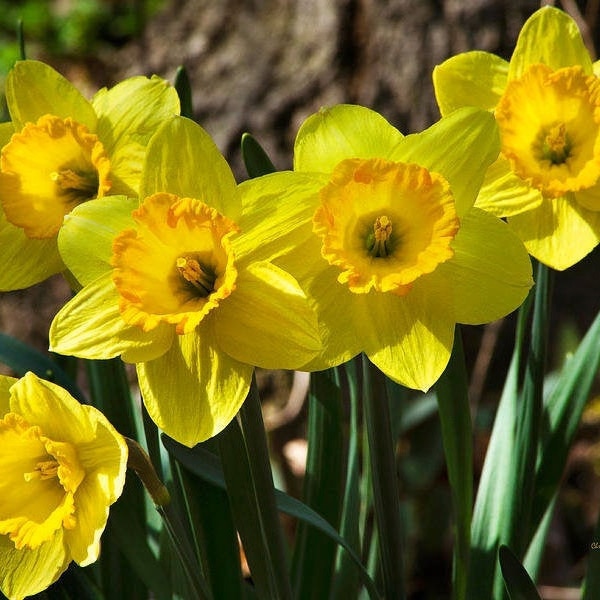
x: 174, y: 287
x: 60, y: 150
x: 62, y: 465
x: 546, y: 100
x: 381, y: 232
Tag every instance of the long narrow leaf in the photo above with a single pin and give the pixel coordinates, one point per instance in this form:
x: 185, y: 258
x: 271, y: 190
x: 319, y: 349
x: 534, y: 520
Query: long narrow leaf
x: 517, y: 581
x: 386, y: 496
x: 208, y: 466
x: 490, y: 512
x: 564, y: 407
x: 314, y: 553
x: 246, y: 466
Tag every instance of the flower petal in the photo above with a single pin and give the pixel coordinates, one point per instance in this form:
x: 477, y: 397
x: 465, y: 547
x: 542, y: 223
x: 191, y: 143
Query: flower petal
x: 194, y: 390
x: 267, y: 321
x: 6, y: 383
x: 128, y: 115
x: 340, y: 132
x: 278, y: 211
x: 336, y: 306
x: 470, y: 79
x: 26, y: 572
x: 25, y: 261
x: 34, y: 89
x: 460, y: 147
x: 91, y: 326
x: 504, y: 194
x: 490, y: 272
x: 86, y: 237
x: 6, y: 131
x: 559, y: 233
x: 105, y: 463
x: 550, y: 36
x: 51, y: 407
x: 177, y: 146
x: 409, y: 338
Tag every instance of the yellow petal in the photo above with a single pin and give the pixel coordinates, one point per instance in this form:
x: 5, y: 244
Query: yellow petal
x: 86, y: 237
x: 278, y: 211
x: 25, y: 261
x: 105, y: 461
x: 34, y: 89
x: 183, y: 160
x: 490, y: 273
x: 194, y: 390
x: 335, y: 306
x: 129, y: 114
x: 559, y: 233
x: 267, y: 322
x: 551, y: 37
x: 48, y: 405
x: 460, y: 147
x: 6, y: 383
x: 409, y: 338
x: 470, y: 79
x: 339, y: 132
x: 27, y: 572
x: 91, y: 326
x: 504, y: 194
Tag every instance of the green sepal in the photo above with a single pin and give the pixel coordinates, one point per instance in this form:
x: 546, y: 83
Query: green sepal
x: 256, y: 160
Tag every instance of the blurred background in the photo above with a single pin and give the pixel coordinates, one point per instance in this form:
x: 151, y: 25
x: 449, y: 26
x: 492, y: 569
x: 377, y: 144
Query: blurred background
x: 263, y: 66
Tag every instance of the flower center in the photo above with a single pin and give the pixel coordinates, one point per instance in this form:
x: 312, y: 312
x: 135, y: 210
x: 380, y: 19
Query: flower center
x: 177, y: 264
x: 39, y: 479
x: 201, y: 278
x: 379, y: 245
x: 384, y: 224
x: 550, y: 128
x: 47, y: 169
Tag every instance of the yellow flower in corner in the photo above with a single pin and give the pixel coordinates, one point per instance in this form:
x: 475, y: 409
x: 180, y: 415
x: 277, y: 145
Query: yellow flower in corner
x: 173, y: 285
x: 381, y: 232
x: 546, y: 100
x: 61, y: 150
x: 62, y: 465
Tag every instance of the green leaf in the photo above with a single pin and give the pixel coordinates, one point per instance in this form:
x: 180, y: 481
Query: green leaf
x: 314, y: 553
x: 564, y: 407
x: 455, y: 418
x: 256, y: 160
x: 517, y: 581
x: 247, y: 471
x: 491, y: 511
x: 215, y: 536
x: 208, y: 466
x: 386, y: 496
x: 22, y: 358
x: 184, y: 91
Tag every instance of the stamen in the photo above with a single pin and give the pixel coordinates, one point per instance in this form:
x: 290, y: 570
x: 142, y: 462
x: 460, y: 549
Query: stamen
x: 556, y: 147
x: 379, y: 242
x: 193, y: 272
x: 70, y: 181
x: 45, y: 469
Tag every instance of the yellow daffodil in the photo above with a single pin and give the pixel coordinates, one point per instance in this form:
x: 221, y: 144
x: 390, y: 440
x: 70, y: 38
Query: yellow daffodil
x: 61, y: 150
x: 174, y: 287
x: 381, y: 232
x: 546, y: 100
x: 62, y: 465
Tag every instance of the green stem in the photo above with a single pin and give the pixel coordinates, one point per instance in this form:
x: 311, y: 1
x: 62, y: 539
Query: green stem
x: 246, y: 467
x: 455, y: 418
x: 386, y: 496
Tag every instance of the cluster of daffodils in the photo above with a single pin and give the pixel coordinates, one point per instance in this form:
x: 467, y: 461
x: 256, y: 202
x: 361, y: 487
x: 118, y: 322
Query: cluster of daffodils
x: 375, y: 243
